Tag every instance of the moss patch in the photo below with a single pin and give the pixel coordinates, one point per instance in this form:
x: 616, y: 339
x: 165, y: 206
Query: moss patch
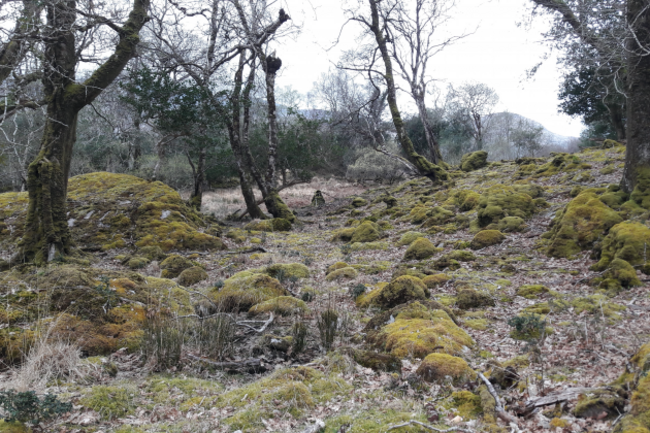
x: 342, y: 273
x: 473, y: 161
x: 282, y: 305
x: 241, y: 292
x: 436, y: 366
x: 173, y: 265
x: 420, y: 249
x: 192, y: 275
x: 486, y: 238
x: 401, y: 290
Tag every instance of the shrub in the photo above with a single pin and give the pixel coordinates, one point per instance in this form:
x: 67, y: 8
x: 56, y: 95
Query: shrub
x: 358, y: 290
x: 299, y: 334
x: 528, y: 327
x: 327, y: 327
x: 163, y: 341
x: 217, y: 335
x: 28, y: 407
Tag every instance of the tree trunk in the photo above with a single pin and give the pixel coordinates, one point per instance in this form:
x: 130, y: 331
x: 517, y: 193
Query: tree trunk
x: 432, y: 141
x: 238, y: 135
x: 424, y: 167
x: 46, y: 233
x: 616, y: 117
x: 636, y: 174
x: 196, y: 198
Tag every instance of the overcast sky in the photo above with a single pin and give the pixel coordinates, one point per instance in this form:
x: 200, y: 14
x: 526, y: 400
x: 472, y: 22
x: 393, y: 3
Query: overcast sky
x: 499, y: 53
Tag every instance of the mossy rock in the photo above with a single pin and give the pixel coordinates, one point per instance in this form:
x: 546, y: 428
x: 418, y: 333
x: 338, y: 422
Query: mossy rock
x: 420, y: 309
x: 486, y: 238
x: 408, y: 238
x: 336, y: 266
x: 582, y: 223
x: 173, y: 265
x: 433, y: 281
x: 378, y: 361
x: 531, y: 291
x: 592, y: 405
x: 467, y: 404
x: 501, y: 201
x: 270, y: 225
x: 421, y: 249
x: 469, y: 298
x: 137, y: 262
x: 417, y: 331
x: 533, y: 190
x: 401, y: 290
x: 452, y: 259
x: 282, y: 305
x: 365, y: 232
x: 473, y: 161
x: 468, y: 201
x: 437, y: 366
x: 342, y: 235
x: 359, y: 202
x: 348, y: 273
x: 191, y: 276
x: 369, y: 246
x: 418, y: 214
x: 241, y: 292
x: 622, y: 273
x: 152, y: 253
x: 626, y: 241
x: 287, y: 270
x: 437, y: 216
x: 511, y: 224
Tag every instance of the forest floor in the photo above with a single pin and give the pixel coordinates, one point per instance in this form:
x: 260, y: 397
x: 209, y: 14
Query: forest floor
x: 588, y: 335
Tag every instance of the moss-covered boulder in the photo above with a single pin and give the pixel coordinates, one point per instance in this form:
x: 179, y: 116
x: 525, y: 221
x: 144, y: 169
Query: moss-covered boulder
x: 470, y: 298
x: 109, y: 210
x: 137, y: 262
x: 531, y: 291
x: 243, y: 290
x: 468, y: 201
x: 342, y: 235
x: 619, y: 274
x: 191, y: 276
x: 597, y: 403
x: 401, y: 290
x: 629, y: 241
x: 500, y: 201
x: 287, y: 270
x: 336, y: 266
x: 282, y: 305
x: 420, y: 249
x: 473, y: 161
x: 408, y: 238
x: 152, y: 253
x: 348, y: 273
x: 436, y: 280
x: 359, y: 202
x: 173, y: 265
x: 533, y: 190
x: 579, y: 225
x: 378, y: 361
x: 437, y: 216
x: 366, y: 232
x: 416, y: 331
x: 486, y: 238
x: 437, y: 366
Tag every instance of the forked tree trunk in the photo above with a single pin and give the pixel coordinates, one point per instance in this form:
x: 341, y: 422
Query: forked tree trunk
x: 424, y: 166
x: 198, y: 174
x: 637, y: 158
x: 432, y: 141
x: 46, y: 234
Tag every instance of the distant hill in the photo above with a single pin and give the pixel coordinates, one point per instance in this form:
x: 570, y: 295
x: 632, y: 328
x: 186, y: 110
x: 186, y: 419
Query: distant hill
x: 501, y: 121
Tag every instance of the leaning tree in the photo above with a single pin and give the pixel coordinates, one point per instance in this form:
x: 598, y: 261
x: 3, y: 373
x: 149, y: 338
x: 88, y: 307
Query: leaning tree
x: 52, y: 40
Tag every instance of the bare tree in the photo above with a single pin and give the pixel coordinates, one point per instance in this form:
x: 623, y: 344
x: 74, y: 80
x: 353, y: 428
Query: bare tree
x: 376, y: 25
x: 478, y: 100
x: 412, y: 29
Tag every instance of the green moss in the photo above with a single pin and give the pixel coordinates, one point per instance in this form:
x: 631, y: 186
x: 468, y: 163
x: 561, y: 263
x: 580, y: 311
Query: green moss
x: 432, y: 281
x: 342, y: 273
x: 152, y: 253
x: 288, y: 270
x: 242, y: 292
x: 173, y: 265
x: 595, y: 403
x: 511, y: 224
x: 374, y: 420
x: 421, y: 249
x: 626, y: 241
x: 437, y: 216
x: 597, y: 304
x: 359, y: 202
x: 501, y: 201
x: 467, y: 403
x: 641, y: 193
x: 473, y: 161
x: 531, y: 291
x: 437, y: 366
x: 470, y: 200
x: 336, y: 266
x: 486, y: 238
x: 478, y: 324
x: 378, y: 361
x: 400, y: 290
x: 582, y: 222
x: 469, y: 298
x: 533, y: 190
x: 13, y: 427
x: 408, y: 237
x: 369, y: 246
x: 111, y: 401
x: 192, y: 275
x: 282, y: 305
x: 365, y: 232
x: 418, y: 214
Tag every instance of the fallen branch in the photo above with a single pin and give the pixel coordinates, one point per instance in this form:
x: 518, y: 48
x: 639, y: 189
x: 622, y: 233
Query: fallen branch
x: 259, y: 331
x: 250, y: 250
x: 427, y: 426
x: 246, y: 366
x: 553, y: 398
x: 501, y: 413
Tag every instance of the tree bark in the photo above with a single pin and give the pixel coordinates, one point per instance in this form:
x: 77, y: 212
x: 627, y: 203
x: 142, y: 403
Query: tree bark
x: 424, y: 167
x: 198, y: 173
x: 616, y: 118
x: 432, y: 141
x: 637, y: 158
x: 12, y: 52
x: 47, y: 235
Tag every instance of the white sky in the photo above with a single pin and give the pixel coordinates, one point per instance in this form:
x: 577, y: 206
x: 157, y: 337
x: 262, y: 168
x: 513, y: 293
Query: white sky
x: 499, y: 53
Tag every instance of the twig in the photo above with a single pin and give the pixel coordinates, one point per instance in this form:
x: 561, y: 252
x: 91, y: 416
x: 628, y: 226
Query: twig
x: 259, y: 331
x: 498, y: 406
x: 428, y: 427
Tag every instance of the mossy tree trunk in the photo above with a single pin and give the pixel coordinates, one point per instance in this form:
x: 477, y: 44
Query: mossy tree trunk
x: 16, y: 48
x: 47, y: 235
x: 424, y: 166
x: 637, y: 157
x: 238, y: 127
x: 198, y: 175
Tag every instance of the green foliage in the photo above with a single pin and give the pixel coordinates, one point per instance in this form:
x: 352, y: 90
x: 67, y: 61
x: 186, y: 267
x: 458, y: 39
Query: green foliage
x: 527, y: 327
x: 327, y: 327
x: 299, y: 334
x: 358, y: 290
x: 28, y: 407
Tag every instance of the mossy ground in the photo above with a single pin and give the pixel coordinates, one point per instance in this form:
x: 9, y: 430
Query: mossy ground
x: 292, y: 278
